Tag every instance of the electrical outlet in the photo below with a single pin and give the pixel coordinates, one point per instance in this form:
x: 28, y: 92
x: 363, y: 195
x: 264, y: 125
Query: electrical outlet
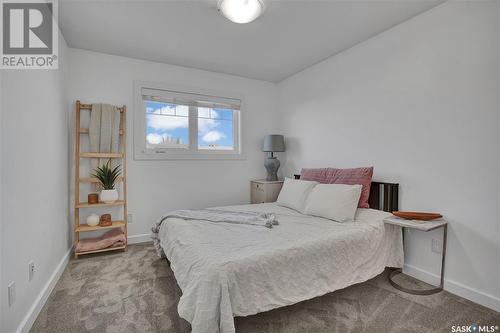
x: 437, y: 245
x: 31, y: 270
x: 12, y: 293
x: 129, y: 218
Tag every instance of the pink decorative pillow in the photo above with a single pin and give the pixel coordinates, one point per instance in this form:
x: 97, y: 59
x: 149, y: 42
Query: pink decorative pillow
x: 361, y: 176
x: 317, y: 175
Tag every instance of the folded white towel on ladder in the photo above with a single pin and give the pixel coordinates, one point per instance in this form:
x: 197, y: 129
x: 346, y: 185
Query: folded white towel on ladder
x: 104, y: 130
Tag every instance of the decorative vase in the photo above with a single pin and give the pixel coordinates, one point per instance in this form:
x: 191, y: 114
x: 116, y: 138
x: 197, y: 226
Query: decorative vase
x: 109, y: 196
x: 93, y: 220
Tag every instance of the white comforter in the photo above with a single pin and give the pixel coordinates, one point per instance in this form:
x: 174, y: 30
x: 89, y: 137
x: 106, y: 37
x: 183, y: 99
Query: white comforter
x: 227, y: 270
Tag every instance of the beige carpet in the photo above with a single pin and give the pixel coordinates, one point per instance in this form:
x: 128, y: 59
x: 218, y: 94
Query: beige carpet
x: 135, y: 291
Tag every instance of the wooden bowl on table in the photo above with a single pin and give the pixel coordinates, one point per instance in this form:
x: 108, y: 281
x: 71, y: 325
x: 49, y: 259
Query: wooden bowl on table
x: 417, y: 215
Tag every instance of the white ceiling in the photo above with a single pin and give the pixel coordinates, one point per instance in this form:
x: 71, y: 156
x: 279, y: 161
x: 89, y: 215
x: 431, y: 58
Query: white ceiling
x: 290, y: 36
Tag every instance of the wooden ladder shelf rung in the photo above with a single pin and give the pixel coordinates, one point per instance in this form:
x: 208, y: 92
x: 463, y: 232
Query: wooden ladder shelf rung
x: 94, y: 180
x: 79, y: 228
x: 86, y: 131
x: 115, y: 224
x: 100, y: 204
x: 102, y: 155
x: 113, y: 248
x: 89, y: 107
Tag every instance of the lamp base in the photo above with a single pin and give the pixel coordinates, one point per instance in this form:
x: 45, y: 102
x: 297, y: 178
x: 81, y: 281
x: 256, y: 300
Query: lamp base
x: 272, y: 165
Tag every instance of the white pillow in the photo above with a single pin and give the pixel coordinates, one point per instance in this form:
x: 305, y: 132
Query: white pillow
x: 336, y: 202
x: 294, y: 193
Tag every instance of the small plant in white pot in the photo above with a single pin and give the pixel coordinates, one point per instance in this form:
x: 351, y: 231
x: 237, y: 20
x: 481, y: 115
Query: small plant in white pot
x: 107, y: 178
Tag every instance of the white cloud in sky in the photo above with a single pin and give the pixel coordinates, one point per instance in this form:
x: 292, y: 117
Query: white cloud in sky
x: 159, y: 118
x: 161, y: 122
x: 213, y: 136
x: 156, y: 139
x: 206, y: 125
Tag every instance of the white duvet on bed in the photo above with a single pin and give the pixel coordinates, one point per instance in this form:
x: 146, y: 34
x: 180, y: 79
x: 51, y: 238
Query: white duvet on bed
x: 227, y: 270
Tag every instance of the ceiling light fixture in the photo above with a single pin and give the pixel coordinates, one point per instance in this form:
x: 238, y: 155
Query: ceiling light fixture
x: 241, y: 11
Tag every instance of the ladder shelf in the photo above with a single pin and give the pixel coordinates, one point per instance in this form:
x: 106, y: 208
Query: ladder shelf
x: 79, y: 180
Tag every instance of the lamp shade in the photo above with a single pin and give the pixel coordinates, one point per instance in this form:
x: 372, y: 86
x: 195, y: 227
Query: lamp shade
x: 273, y: 143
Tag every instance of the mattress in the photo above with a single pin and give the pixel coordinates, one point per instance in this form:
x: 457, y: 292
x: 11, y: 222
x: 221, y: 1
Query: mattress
x: 226, y: 270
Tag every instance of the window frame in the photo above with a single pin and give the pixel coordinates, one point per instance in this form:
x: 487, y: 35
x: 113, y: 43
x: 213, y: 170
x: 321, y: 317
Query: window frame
x: 193, y: 152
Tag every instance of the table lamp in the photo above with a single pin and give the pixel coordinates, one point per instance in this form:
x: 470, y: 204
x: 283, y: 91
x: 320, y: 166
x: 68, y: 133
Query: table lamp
x: 273, y: 143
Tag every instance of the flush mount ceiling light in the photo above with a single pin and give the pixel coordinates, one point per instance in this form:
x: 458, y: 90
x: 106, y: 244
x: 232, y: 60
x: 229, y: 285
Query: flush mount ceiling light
x: 241, y: 11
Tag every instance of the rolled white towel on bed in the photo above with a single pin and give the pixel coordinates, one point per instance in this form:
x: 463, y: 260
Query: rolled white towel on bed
x: 219, y: 215
x: 267, y: 220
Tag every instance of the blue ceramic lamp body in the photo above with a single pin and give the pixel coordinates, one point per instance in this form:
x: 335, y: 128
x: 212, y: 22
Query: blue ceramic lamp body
x: 273, y: 143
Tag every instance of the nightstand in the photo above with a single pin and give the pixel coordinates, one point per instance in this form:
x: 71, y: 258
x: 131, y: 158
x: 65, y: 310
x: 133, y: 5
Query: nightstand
x: 422, y: 226
x: 265, y: 190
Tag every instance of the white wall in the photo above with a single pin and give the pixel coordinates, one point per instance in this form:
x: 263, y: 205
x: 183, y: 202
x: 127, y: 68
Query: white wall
x: 2, y: 284
x: 156, y: 187
x: 420, y: 103
x: 34, y: 185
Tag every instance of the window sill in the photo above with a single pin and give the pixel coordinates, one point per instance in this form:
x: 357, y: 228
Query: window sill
x: 144, y: 156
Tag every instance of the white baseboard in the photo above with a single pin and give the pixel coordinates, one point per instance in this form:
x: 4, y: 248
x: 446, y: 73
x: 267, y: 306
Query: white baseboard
x: 141, y: 238
x: 456, y: 288
x: 39, y: 302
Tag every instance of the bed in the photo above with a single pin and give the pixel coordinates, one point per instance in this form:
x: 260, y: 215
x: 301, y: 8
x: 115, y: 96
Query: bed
x: 226, y: 270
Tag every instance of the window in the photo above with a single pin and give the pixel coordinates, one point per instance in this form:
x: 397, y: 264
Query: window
x: 170, y: 124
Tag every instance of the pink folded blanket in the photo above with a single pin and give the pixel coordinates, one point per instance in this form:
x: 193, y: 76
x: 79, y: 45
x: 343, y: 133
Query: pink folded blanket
x: 114, y: 237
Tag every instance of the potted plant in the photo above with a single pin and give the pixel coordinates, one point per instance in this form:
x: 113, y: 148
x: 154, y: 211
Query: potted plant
x: 107, y: 177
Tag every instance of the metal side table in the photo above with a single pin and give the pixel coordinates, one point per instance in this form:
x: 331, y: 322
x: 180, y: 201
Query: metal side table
x: 422, y: 226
